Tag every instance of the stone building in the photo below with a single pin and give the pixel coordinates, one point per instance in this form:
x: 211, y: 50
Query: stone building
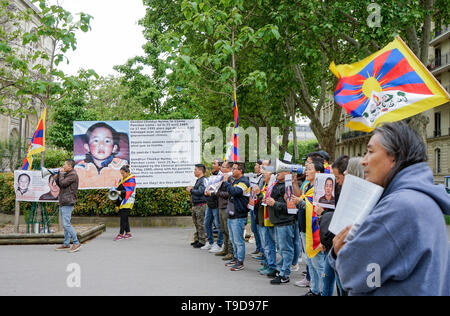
x: 438, y: 130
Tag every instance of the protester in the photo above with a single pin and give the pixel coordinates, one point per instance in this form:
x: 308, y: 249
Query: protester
x: 401, y: 248
x: 311, y: 240
x: 259, y: 180
x: 124, y: 205
x: 265, y: 227
x: 355, y: 167
x: 326, y: 237
x: 212, y: 216
x: 223, y: 196
x: 286, y: 230
x: 239, y: 192
x: 67, y: 180
x: 198, y: 205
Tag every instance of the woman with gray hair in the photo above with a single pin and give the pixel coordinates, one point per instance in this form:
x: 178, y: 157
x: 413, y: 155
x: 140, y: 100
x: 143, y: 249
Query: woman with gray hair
x: 402, y: 246
x: 355, y: 167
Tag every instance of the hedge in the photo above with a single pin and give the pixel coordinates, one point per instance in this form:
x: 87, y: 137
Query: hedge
x: 149, y: 202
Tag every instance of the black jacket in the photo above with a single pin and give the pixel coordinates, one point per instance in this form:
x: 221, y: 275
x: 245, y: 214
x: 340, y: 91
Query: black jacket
x: 239, y: 193
x: 278, y: 214
x: 198, y: 192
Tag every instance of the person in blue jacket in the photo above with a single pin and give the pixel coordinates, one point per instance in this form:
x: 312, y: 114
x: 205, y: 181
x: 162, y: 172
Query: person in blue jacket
x: 402, y: 247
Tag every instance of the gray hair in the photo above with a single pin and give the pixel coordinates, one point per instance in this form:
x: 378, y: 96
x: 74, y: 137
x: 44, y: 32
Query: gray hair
x: 355, y: 168
x: 403, y: 144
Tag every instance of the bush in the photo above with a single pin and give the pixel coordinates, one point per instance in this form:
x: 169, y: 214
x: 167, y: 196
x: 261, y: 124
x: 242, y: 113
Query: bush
x: 149, y: 202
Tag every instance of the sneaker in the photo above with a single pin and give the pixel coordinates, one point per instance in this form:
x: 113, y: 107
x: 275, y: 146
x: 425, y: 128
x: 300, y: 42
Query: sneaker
x: 255, y: 253
x: 207, y: 246
x: 295, y: 268
x: 268, y: 271
x: 118, y: 237
x: 302, y: 283
x: 280, y: 280
x: 274, y: 274
x: 62, y: 248
x: 194, y: 242
x: 259, y: 258
x: 311, y: 294
x: 262, y: 269
x: 75, y: 248
x: 231, y: 263
x: 127, y: 236
x: 238, y: 266
x: 215, y: 248
x: 228, y: 257
x: 221, y: 253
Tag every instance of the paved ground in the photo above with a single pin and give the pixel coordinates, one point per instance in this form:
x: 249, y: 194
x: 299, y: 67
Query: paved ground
x: 158, y: 261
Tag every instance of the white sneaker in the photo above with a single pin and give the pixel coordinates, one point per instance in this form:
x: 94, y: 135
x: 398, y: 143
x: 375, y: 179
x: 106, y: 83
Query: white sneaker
x: 302, y: 283
x: 295, y: 268
x: 215, y: 248
x: 207, y: 246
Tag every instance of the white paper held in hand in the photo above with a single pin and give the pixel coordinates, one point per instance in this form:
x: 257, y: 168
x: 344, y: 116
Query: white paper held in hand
x: 358, y: 197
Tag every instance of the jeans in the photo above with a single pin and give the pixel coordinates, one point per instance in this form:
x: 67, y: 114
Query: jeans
x: 285, y: 243
x: 69, y: 232
x: 316, y: 271
x: 268, y: 244
x: 212, y: 215
x: 297, y: 248
x: 308, y: 261
x: 328, y: 279
x: 236, y: 228
x: 255, y: 229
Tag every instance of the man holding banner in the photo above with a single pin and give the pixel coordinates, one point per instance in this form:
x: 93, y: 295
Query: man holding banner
x: 67, y: 180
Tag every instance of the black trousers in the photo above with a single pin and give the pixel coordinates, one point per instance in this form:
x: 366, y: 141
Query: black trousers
x: 124, y: 224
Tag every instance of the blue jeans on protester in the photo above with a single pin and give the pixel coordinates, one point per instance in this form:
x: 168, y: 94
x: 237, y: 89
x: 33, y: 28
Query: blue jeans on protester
x: 212, y: 215
x: 328, y: 279
x: 285, y: 244
x: 69, y: 232
x: 236, y: 228
x: 297, y: 248
x: 268, y: 244
x: 316, y: 272
x: 255, y: 229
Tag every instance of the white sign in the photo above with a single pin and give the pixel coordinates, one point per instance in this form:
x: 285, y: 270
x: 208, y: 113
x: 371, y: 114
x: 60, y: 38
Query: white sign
x: 31, y: 187
x: 160, y: 154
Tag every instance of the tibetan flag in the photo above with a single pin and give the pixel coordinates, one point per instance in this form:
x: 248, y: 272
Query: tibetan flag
x: 312, y: 226
x: 129, y: 185
x: 27, y: 163
x: 233, y: 149
x: 38, y: 141
x: 388, y: 86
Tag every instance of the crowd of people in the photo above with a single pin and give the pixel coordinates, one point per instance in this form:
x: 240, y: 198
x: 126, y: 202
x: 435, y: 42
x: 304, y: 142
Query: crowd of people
x: 401, y: 248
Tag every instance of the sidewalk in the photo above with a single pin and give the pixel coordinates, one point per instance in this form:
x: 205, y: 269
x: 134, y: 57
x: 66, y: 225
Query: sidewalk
x: 157, y: 261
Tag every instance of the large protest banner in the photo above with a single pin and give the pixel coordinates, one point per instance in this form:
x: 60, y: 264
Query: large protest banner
x: 161, y: 153
x: 29, y: 186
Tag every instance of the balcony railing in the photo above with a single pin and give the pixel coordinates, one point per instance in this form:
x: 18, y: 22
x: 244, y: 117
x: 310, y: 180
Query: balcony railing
x: 440, y: 31
x: 439, y: 62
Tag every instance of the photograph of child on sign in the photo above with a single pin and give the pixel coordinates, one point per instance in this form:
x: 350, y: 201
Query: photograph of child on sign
x: 324, y: 191
x: 100, y: 150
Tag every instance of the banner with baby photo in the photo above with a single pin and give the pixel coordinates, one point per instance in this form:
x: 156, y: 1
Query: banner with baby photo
x: 30, y: 186
x: 160, y: 153
x: 324, y: 195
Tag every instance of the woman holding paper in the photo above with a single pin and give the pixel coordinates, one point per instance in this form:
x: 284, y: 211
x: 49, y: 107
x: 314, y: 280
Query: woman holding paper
x: 401, y: 247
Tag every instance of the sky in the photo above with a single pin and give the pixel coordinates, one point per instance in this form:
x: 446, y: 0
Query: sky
x: 114, y: 38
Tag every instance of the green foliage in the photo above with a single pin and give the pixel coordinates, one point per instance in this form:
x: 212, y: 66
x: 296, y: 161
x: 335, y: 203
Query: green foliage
x: 149, y: 202
x: 304, y: 148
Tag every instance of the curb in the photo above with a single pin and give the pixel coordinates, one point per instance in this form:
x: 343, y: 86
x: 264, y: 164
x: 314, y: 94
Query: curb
x: 49, y: 239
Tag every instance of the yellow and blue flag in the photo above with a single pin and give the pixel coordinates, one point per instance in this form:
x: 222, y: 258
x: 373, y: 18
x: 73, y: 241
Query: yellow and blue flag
x: 388, y: 86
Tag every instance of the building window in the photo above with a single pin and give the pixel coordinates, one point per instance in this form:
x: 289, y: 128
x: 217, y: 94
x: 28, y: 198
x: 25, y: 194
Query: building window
x: 437, y: 124
x: 437, y: 157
